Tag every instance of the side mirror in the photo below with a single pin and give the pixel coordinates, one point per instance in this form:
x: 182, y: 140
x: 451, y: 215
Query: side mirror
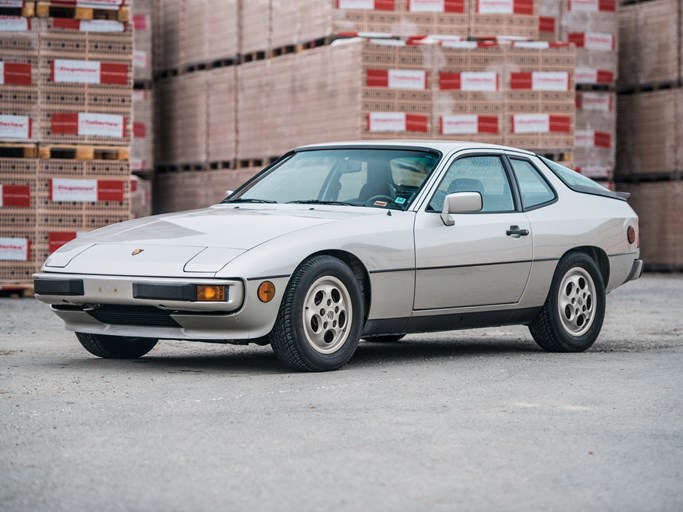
x: 460, y: 202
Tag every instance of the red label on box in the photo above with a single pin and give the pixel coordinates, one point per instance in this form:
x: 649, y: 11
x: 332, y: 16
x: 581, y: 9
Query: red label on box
x: 141, y: 22
x: 88, y: 124
x: 546, y: 24
x: 366, y: 5
x: 397, y: 122
x: 525, y: 7
x: 540, y: 81
x: 397, y: 79
x: 541, y: 123
x: 469, y: 81
x: 86, y: 190
x: 139, y: 130
x: 15, y: 196
x: 467, y: 124
x: 426, y: 6
x: 57, y: 240
x: 14, y: 73
x: 89, y: 72
x: 592, y: 6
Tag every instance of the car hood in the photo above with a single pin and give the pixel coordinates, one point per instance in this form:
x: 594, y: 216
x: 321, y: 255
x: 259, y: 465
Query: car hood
x: 201, y: 241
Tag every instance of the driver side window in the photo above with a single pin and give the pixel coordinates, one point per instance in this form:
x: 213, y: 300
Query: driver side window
x: 483, y: 174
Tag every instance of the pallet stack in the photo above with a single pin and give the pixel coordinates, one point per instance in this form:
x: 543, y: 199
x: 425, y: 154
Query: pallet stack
x: 196, y: 49
x: 142, y: 144
x: 592, y: 25
x: 65, y: 111
x: 650, y: 109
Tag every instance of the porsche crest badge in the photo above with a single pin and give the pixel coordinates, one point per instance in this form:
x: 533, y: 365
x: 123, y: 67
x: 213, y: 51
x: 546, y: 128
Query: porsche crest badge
x: 136, y: 252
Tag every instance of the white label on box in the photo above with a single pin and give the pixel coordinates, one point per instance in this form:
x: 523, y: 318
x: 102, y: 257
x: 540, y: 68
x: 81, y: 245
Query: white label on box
x: 100, y: 125
x: 550, y: 81
x: 532, y: 45
x: 460, y: 124
x: 407, y: 79
x: 596, y: 102
x: 584, y: 5
x: 496, y: 6
x: 584, y: 138
x: 80, y: 191
x: 1, y: 195
x: 139, y: 95
x: 365, y: 5
x: 462, y: 45
x: 600, y: 41
x: 76, y: 71
x: 11, y: 3
x: 14, y: 249
x: 13, y: 24
x: 2, y: 73
x: 102, y: 26
x: 140, y: 60
x: 531, y: 123
x: 15, y: 127
x: 387, y: 122
x: 137, y: 164
x: 486, y: 81
x: 101, y: 4
x: 586, y: 75
x: 427, y: 5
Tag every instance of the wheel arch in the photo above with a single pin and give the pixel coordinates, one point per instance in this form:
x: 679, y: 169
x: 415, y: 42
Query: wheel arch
x: 598, y: 255
x: 358, y: 269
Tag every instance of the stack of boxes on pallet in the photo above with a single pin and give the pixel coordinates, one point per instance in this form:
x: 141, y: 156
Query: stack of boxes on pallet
x: 650, y: 106
x: 196, y: 50
x: 592, y: 25
x: 295, y: 82
x: 142, y: 144
x: 65, y: 110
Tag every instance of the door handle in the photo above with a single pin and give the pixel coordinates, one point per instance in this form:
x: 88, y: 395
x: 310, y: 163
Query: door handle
x: 514, y: 231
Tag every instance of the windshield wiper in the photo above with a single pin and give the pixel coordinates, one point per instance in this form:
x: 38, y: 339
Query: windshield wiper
x: 249, y: 200
x: 318, y: 201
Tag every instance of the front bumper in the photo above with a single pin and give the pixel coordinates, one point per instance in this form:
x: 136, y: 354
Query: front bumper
x: 108, y: 305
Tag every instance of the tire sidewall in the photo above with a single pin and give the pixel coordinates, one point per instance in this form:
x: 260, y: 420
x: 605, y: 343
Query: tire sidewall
x: 318, y: 268
x: 568, y: 341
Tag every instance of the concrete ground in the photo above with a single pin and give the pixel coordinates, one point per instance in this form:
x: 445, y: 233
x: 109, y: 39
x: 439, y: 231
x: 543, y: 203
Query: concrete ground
x: 470, y: 420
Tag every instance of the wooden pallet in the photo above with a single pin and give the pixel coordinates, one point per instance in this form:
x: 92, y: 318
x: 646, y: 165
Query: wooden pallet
x: 18, y: 150
x: 27, y: 11
x: 23, y: 291
x: 47, y: 10
x: 83, y: 152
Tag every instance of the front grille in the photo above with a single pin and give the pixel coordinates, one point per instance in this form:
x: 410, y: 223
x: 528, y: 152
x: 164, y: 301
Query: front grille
x: 133, y: 315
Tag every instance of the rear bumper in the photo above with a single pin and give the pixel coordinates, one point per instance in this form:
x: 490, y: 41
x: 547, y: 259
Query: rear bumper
x: 636, y: 270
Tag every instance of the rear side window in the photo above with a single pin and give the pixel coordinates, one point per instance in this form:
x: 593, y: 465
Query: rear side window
x: 534, y: 190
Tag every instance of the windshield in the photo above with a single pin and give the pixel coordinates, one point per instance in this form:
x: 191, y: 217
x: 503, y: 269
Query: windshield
x: 378, y: 178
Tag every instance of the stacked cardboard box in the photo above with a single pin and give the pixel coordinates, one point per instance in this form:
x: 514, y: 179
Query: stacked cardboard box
x: 188, y: 190
x: 195, y: 33
x: 520, y: 93
x: 65, y: 97
x: 650, y: 138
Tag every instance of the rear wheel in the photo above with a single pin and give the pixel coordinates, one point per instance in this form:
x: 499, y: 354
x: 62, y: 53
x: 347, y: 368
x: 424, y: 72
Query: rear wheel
x: 320, y: 320
x: 116, y: 347
x: 572, y: 316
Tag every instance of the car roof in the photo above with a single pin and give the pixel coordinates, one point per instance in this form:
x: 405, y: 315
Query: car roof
x: 443, y: 146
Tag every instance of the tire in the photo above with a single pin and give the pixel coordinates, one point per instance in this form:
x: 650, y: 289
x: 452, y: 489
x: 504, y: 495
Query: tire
x: 116, y: 347
x: 320, y: 320
x: 387, y: 338
x: 572, y: 316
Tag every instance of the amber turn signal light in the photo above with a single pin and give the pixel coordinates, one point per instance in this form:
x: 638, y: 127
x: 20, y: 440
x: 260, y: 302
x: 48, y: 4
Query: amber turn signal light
x: 266, y: 291
x: 210, y: 293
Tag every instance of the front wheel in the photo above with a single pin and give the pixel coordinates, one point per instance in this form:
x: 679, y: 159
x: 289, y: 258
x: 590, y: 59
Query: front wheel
x: 320, y: 319
x: 115, y: 347
x: 572, y: 316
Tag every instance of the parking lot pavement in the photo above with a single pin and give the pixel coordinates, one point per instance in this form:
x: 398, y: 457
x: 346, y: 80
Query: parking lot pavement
x: 470, y: 420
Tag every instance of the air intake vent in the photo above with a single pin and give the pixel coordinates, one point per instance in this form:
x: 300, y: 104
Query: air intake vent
x: 133, y: 315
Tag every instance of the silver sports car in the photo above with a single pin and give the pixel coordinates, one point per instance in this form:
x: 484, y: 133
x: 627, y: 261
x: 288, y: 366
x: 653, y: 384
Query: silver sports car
x: 338, y: 242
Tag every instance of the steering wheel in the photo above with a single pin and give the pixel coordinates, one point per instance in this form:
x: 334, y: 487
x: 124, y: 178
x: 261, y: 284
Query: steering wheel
x: 387, y: 199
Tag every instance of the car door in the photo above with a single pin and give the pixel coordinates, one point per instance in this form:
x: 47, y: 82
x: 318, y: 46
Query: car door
x: 485, y: 257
